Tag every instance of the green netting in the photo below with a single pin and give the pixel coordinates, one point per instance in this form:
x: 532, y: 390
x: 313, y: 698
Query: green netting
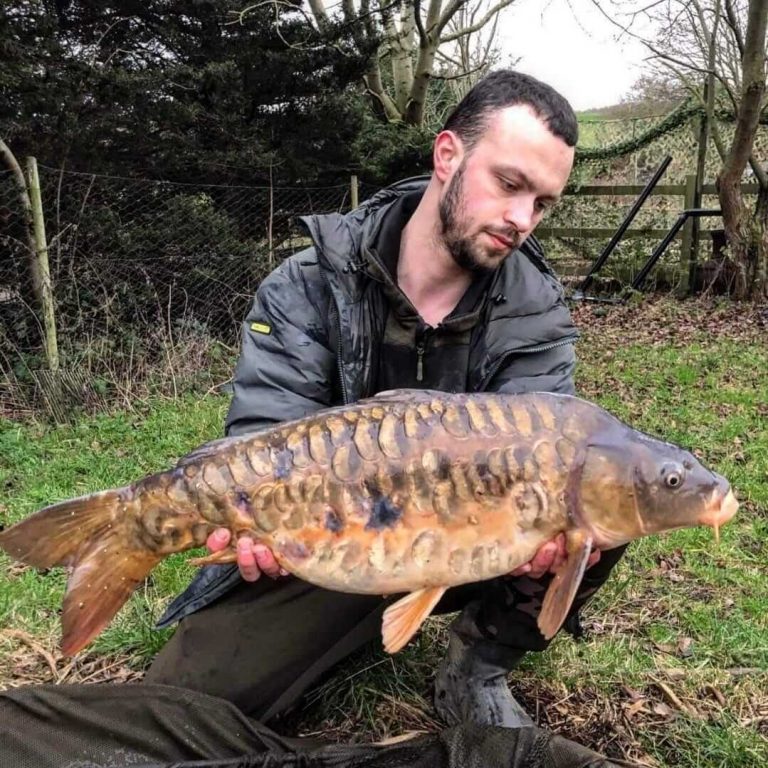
x: 626, y: 152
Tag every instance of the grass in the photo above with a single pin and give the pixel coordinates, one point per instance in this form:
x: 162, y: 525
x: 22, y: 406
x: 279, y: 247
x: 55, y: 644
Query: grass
x: 673, y: 668
x: 42, y: 464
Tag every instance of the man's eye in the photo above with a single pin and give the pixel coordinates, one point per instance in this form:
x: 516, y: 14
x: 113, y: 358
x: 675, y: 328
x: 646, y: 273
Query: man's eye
x: 508, y: 186
x: 543, y: 206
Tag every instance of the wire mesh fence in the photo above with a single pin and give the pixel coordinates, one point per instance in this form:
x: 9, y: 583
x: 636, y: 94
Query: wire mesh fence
x: 125, y: 253
x: 139, y: 265
x: 141, y: 269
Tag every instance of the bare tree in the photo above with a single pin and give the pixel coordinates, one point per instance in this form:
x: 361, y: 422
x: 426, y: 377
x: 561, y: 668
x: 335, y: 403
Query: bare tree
x: 724, y: 43
x: 412, y: 40
x: 748, y: 234
x: 462, y: 61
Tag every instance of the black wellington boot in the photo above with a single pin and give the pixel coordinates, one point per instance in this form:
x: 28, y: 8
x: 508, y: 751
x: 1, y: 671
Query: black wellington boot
x: 471, y: 681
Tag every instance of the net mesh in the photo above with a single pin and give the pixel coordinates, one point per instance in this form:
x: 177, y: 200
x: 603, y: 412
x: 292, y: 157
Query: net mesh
x: 112, y: 726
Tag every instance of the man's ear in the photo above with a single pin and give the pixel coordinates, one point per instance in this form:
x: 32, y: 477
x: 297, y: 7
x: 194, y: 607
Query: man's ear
x: 447, y: 154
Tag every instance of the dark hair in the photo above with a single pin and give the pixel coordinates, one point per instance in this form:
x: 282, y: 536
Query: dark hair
x: 507, y: 88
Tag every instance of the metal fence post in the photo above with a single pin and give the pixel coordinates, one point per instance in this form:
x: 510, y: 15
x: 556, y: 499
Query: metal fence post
x: 41, y: 273
x: 353, y: 192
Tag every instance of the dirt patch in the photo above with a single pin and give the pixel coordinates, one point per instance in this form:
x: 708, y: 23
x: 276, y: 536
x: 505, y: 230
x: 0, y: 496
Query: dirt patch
x: 32, y: 661
x: 666, y: 321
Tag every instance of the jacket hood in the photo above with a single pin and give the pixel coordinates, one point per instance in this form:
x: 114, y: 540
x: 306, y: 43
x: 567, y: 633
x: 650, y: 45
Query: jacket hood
x: 341, y: 239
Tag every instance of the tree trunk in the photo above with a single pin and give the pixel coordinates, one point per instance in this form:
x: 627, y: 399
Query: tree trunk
x: 376, y: 89
x: 400, y: 41
x: 8, y: 159
x: 398, y: 26
x: 745, y: 234
x: 761, y: 243
x: 414, y: 114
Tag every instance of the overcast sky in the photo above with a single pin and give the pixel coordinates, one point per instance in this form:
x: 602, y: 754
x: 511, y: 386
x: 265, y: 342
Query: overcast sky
x: 574, y: 48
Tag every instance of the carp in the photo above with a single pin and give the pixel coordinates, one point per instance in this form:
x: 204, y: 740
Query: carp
x: 411, y: 491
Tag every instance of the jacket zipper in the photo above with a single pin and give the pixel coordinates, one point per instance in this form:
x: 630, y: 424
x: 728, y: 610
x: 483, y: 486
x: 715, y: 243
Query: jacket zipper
x: 421, y: 348
x: 523, y: 351
x: 419, y: 362
x: 344, y: 393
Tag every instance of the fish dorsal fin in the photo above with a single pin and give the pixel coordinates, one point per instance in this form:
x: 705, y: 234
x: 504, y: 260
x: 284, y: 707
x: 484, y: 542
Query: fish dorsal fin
x: 562, y: 588
x: 213, y: 447
x: 403, y: 396
x: 403, y: 618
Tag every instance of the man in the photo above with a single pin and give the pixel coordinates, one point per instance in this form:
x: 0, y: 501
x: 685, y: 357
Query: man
x: 433, y: 283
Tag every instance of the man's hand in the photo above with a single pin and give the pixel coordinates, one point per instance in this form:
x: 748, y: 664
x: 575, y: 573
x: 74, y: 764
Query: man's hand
x: 549, y: 559
x: 252, y: 559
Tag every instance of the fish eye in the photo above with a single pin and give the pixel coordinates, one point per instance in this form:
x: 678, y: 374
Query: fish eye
x: 673, y: 475
x: 673, y: 480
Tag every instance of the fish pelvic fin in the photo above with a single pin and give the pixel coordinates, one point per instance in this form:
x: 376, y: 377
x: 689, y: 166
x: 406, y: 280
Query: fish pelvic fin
x: 562, y: 589
x: 222, y: 557
x: 88, y: 536
x: 402, y: 619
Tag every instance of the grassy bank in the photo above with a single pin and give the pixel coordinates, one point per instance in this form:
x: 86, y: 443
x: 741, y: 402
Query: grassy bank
x: 673, y: 667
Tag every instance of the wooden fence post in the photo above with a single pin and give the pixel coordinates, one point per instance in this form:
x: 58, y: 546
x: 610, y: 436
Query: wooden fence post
x: 41, y: 273
x: 353, y: 192
x: 687, y: 253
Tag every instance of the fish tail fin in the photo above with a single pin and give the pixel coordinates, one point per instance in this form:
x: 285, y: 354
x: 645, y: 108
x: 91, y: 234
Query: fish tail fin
x: 87, y: 535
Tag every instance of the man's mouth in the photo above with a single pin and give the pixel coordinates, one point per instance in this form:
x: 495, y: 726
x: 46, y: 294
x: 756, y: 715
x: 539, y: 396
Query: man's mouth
x: 501, y: 240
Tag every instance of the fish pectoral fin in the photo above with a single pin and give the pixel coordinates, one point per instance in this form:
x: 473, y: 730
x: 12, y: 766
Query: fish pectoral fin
x: 215, y: 558
x: 562, y: 589
x: 403, y: 618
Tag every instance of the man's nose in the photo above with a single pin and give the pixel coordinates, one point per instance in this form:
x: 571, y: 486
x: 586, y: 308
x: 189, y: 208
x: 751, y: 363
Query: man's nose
x: 520, y: 215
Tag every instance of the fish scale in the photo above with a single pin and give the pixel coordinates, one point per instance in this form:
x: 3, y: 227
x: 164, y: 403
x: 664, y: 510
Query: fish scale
x: 411, y: 491
x: 426, y: 499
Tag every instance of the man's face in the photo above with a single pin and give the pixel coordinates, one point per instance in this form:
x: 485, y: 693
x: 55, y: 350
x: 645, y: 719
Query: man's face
x: 501, y: 190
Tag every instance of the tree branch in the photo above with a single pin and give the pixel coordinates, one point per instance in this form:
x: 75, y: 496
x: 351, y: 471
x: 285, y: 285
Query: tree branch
x: 447, y: 15
x: 433, y: 16
x: 423, y: 40
x: 500, y: 6
x: 461, y: 74
x: 733, y: 23
x: 666, y: 57
x: 456, y: 63
x: 319, y: 14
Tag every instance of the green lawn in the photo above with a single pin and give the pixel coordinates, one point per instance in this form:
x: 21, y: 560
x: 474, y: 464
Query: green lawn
x: 673, y: 669
x: 42, y: 464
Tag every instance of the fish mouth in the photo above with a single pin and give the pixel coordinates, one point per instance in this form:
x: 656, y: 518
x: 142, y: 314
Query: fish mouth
x: 720, y: 511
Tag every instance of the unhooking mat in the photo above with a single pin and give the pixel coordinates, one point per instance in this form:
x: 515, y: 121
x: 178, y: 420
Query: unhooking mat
x: 149, y: 726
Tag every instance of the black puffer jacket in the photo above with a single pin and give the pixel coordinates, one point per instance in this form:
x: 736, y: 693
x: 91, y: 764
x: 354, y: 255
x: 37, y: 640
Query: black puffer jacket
x: 313, y: 333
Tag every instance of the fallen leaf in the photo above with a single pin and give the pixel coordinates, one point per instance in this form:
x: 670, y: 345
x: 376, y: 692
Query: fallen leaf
x: 685, y: 647
x: 660, y: 708
x: 715, y: 693
x: 675, y: 577
x: 665, y: 647
x: 633, y: 709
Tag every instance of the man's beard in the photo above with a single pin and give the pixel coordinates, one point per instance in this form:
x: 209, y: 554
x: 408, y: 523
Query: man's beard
x: 464, y: 250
